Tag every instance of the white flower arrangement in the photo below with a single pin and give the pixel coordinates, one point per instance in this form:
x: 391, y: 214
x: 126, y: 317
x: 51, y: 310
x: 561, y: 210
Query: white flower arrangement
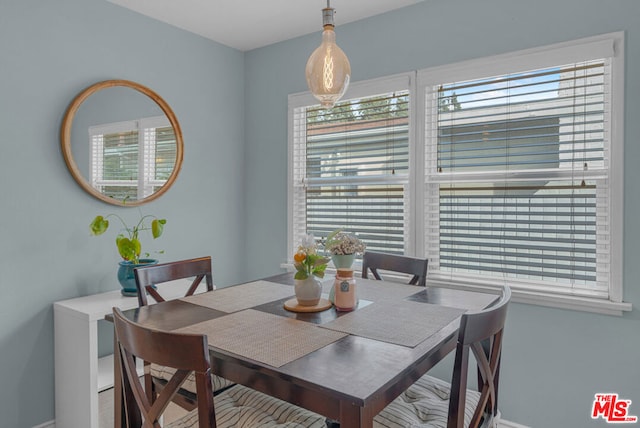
x: 342, y: 243
x: 307, y: 261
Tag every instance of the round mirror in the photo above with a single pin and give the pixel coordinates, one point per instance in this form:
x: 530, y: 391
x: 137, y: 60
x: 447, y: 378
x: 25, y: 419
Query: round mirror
x: 122, y: 142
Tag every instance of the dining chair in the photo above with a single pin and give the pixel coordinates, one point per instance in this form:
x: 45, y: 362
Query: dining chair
x: 238, y: 406
x: 434, y: 402
x: 146, y: 278
x: 372, y: 261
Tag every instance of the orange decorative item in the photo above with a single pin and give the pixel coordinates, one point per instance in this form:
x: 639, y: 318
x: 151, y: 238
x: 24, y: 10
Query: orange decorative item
x: 345, y: 298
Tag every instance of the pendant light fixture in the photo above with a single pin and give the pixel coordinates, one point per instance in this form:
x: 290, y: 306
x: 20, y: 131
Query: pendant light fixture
x: 328, y: 70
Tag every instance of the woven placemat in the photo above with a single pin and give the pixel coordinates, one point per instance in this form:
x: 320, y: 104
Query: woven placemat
x: 400, y: 322
x: 240, y: 297
x: 264, y: 337
x: 377, y: 291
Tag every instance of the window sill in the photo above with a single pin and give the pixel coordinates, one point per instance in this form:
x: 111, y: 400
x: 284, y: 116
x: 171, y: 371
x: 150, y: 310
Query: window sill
x: 552, y: 300
x: 540, y: 298
x: 331, y: 270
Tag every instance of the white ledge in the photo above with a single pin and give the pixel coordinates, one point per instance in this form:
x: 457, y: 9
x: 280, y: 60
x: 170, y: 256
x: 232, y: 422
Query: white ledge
x: 553, y: 300
x: 540, y: 298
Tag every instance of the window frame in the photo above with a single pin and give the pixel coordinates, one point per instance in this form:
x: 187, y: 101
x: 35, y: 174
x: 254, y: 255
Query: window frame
x: 603, y: 46
x: 145, y: 183
x: 363, y: 89
x: 609, y: 45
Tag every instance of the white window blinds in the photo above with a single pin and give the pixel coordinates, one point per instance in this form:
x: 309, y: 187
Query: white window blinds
x: 166, y: 144
x: 517, y: 177
x: 507, y: 169
x: 131, y: 160
x: 350, y: 170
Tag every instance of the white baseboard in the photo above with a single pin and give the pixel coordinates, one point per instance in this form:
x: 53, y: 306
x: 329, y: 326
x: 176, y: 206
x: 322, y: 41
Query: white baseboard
x: 49, y: 424
x: 508, y: 424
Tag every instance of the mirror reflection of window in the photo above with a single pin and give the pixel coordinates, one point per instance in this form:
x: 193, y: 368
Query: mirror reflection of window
x: 131, y: 160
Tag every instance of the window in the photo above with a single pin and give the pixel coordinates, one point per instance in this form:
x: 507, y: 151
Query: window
x: 132, y: 159
x: 351, y: 165
x: 514, y: 175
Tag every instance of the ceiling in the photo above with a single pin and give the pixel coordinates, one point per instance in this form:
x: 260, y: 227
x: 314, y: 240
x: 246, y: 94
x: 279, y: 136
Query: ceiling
x: 250, y: 24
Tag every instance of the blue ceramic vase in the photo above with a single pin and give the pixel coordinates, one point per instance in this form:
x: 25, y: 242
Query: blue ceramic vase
x: 343, y: 261
x: 126, y: 277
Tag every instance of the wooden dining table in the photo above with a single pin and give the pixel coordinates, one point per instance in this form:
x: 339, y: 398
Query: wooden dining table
x: 347, y: 366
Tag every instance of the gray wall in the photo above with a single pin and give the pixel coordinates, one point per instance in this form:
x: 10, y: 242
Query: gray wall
x: 554, y: 360
x: 49, y: 52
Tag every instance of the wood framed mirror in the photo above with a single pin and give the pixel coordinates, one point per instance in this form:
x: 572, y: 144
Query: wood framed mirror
x: 121, y: 142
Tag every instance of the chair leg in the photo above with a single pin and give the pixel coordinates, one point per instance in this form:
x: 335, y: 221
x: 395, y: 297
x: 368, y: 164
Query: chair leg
x: 118, y: 399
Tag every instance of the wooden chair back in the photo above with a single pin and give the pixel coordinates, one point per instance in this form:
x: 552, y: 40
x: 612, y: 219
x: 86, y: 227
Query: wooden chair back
x: 373, y: 262
x: 481, y: 332
x: 185, y: 352
x: 148, y: 276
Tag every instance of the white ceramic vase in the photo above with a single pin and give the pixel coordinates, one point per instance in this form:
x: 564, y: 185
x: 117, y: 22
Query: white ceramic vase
x: 308, y: 291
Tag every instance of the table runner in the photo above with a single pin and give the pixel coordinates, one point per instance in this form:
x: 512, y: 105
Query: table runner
x: 240, y: 297
x: 399, y: 322
x: 264, y: 337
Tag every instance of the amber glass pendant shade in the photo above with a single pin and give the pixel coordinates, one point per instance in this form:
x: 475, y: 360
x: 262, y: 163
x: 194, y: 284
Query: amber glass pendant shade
x: 328, y: 70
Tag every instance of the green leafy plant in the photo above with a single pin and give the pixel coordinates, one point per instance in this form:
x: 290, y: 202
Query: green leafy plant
x: 307, y: 261
x: 128, y: 243
x: 342, y: 243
